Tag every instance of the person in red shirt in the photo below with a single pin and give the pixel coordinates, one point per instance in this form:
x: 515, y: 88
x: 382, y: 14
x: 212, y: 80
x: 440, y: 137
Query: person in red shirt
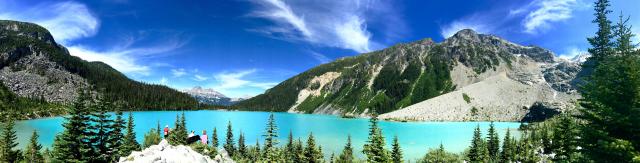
x: 166, y: 131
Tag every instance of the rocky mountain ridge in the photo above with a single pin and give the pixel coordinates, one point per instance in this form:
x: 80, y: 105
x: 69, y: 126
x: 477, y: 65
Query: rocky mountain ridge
x: 405, y: 76
x: 33, y: 65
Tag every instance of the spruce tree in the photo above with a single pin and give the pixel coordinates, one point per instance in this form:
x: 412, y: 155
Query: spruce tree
x: 564, y: 140
x: 477, y: 148
x: 506, y: 155
x: 374, y: 148
x: 101, y: 129
x: 312, y: 154
x: 116, y: 137
x: 493, y: 144
x: 439, y: 156
x: 347, y: 152
x: 32, y: 153
x: 299, y: 156
x: 178, y: 136
x: 129, y: 143
x: 7, y: 154
x: 289, y: 148
x: 271, y: 133
x: 623, y: 34
x: 73, y: 144
x: 601, y: 42
x: 609, y: 101
x: 242, y: 148
x: 229, y: 144
x: 158, y: 129
x: 270, y: 138
x: 214, y: 138
x: 396, y: 152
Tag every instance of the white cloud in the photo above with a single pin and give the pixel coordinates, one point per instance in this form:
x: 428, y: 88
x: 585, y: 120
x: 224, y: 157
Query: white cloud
x: 164, y: 81
x: 234, y: 80
x: 178, y: 72
x: 116, y: 59
x: 545, y: 12
x: 452, y: 28
x: 319, y: 57
x: 341, y: 24
x: 572, y: 52
x: 66, y: 21
x: 199, y: 78
x: 124, y: 59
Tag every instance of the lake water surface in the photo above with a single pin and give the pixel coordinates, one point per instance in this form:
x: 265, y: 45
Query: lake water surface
x: 330, y: 131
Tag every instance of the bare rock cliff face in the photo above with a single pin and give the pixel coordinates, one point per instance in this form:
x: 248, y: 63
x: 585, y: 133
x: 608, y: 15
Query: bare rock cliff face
x: 28, y: 71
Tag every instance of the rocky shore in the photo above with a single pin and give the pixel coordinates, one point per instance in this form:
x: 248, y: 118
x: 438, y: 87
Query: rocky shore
x: 166, y: 153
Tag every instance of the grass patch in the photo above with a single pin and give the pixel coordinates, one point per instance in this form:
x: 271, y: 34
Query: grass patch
x: 466, y: 98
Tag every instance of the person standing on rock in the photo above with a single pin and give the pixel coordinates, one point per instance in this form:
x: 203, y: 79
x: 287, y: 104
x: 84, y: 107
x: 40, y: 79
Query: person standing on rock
x: 204, y: 138
x: 166, y: 131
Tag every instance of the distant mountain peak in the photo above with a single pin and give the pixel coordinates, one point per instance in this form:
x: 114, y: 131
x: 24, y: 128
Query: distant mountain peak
x: 208, y: 92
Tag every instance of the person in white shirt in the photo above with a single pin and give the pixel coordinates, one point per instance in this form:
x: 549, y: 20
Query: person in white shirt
x: 191, y: 134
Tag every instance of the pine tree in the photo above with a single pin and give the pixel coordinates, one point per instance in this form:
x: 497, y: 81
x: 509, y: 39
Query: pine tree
x: 374, y: 148
x: 347, y: 152
x: 101, y: 129
x: 7, y: 154
x: 623, y: 34
x: 129, y: 143
x: 158, y: 129
x: 117, y: 136
x: 299, y: 152
x: 477, y: 148
x: 229, y: 144
x: 439, y: 156
x: 565, y: 139
x: 242, y: 148
x: 396, y: 152
x: 214, y: 138
x: 493, y: 144
x: 601, y: 42
x: 178, y: 136
x: 151, y: 138
x: 507, y: 152
x: 271, y: 133
x: 289, y: 148
x: 545, y: 139
x: 609, y: 104
x: 312, y: 154
x: 32, y: 152
x: 270, y: 139
x: 73, y: 144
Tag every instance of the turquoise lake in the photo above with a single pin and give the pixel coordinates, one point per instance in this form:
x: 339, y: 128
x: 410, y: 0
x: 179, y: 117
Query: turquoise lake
x: 330, y: 131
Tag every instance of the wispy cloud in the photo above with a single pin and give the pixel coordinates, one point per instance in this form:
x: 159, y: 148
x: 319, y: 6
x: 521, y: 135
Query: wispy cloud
x: 341, y: 24
x: 452, y: 28
x: 320, y: 57
x: 124, y: 59
x: 70, y: 21
x: 178, y: 72
x: 238, y: 79
x: 572, y: 52
x: 164, y: 81
x: 540, y: 14
x: 66, y: 21
x: 199, y: 78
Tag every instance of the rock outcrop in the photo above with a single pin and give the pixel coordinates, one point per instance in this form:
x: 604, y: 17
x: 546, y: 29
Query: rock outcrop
x: 166, y: 153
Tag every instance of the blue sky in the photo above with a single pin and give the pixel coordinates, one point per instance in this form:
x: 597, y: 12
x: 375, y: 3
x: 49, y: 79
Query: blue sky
x: 243, y: 47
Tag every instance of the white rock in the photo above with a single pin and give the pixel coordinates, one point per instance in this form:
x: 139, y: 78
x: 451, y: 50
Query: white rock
x: 166, y: 153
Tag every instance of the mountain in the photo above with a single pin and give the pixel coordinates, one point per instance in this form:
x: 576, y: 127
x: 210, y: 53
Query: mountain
x: 211, y: 97
x: 34, y: 66
x: 468, y: 76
